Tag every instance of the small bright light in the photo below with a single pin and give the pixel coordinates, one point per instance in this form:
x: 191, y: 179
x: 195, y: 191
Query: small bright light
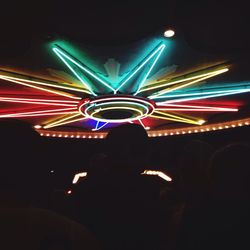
x: 78, y: 176
x: 169, y: 33
x: 69, y: 192
x: 37, y: 126
x: 147, y: 128
x: 51, y: 171
x: 159, y: 173
x: 200, y: 122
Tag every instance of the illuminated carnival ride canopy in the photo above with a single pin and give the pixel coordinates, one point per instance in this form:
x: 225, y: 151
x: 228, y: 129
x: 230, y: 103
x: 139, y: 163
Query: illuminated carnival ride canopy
x: 65, y: 89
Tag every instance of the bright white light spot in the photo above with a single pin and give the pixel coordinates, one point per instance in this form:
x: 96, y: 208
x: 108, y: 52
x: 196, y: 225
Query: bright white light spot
x: 169, y: 33
x: 158, y: 173
x: 78, y: 176
x: 37, y: 126
x: 200, y: 122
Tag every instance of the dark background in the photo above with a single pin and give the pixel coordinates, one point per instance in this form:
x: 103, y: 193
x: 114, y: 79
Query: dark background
x: 214, y: 27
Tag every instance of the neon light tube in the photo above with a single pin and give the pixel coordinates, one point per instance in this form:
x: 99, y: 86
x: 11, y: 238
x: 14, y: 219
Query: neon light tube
x: 210, y: 74
x: 59, y: 53
x: 167, y: 116
x: 146, y: 172
x: 78, y: 176
x: 40, y: 88
x: 64, y: 121
x: 192, y: 108
x: 158, y: 173
x: 97, y: 126
x: 202, y: 92
x: 115, y: 108
x: 160, y: 48
x: 204, y: 97
x: 17, y: 100
x: 187, y: 84
x: 152, y: 66
x: 36, y: 113
x: 147, y: 128
x: 40, y: 100
x: 53, y: 85
x: 124, y: 98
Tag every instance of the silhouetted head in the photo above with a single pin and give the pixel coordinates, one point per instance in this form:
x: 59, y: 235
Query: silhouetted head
x: 127, y: 146
x: 230, y: 172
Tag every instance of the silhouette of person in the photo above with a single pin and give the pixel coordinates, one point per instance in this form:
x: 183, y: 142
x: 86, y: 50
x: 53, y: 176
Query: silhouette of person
x: 23, y: 226
x: 121, y: 206
x: 222, y: 221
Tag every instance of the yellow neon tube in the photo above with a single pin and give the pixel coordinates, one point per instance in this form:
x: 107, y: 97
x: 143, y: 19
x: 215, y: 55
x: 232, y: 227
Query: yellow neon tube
x: 40, y: 88
x: 220, y: 71
x: 46, y: 84
x: 187, y: 84
x: 65, y: 120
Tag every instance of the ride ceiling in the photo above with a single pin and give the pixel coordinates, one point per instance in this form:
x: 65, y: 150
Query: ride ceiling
x: 64, y: 84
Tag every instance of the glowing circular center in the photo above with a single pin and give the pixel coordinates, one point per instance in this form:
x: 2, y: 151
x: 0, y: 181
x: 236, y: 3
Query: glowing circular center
x: 116, y: 109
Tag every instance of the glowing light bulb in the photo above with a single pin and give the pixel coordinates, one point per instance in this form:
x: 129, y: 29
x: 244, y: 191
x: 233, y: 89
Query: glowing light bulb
x: 169, y: 33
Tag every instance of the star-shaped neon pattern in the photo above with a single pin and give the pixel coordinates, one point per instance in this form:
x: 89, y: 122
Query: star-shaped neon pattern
x: 131, y: 99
